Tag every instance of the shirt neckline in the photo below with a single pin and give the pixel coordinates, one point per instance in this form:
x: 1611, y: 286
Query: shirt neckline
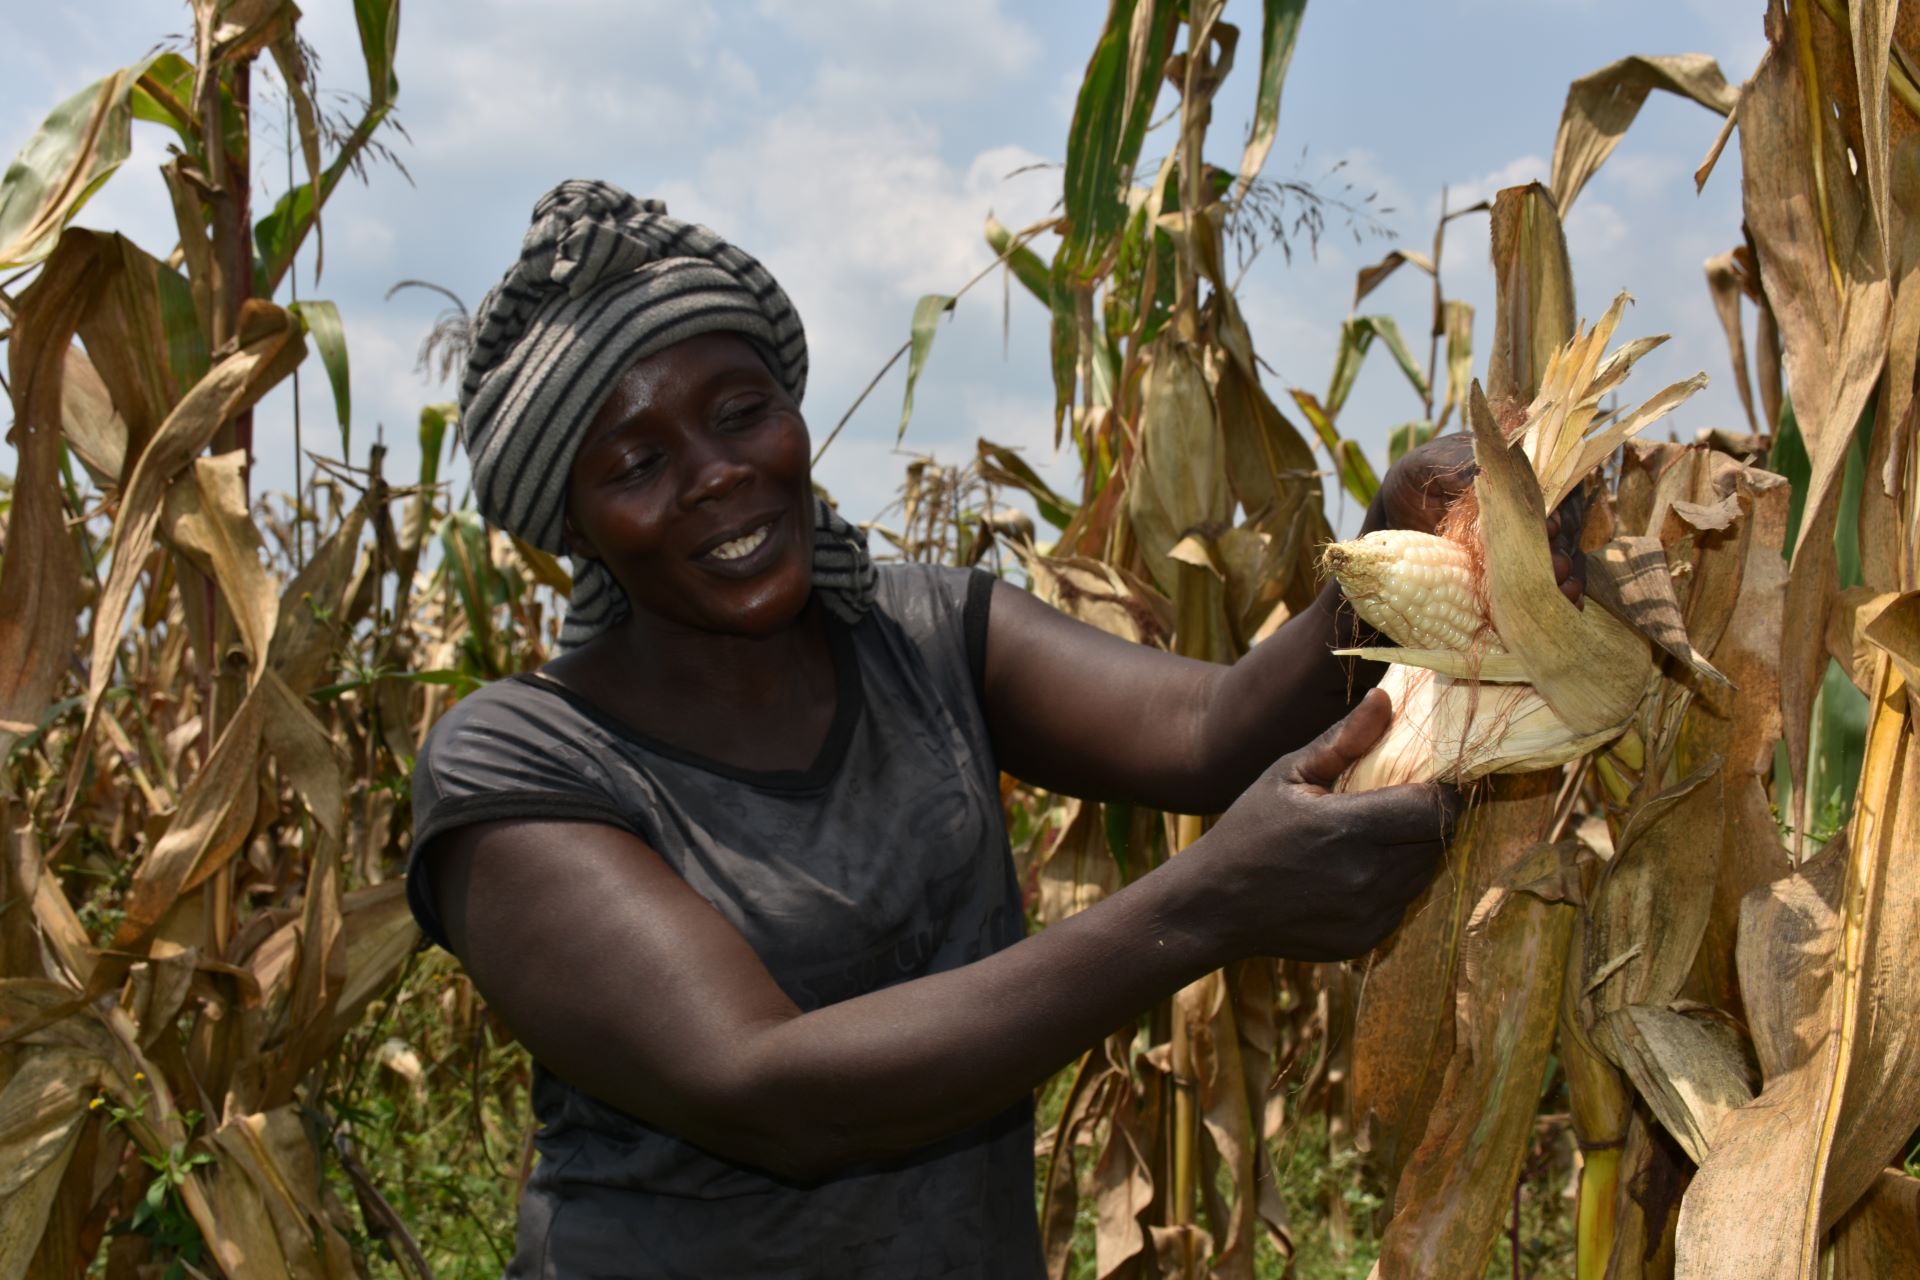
x: 849, y: 700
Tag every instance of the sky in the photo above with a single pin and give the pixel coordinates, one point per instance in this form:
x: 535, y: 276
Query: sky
x: 857, y: 147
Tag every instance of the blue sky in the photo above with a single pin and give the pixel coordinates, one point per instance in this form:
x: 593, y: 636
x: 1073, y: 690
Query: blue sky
x: 856, y: 146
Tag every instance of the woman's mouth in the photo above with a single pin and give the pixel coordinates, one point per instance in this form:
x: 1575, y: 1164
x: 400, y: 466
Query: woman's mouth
x: 742, y: 546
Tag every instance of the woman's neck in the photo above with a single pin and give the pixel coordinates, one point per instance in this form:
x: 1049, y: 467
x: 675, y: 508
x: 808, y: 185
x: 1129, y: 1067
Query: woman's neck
x: 750, y: 701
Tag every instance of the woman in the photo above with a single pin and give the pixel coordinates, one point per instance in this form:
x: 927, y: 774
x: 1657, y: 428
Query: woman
x: 733, y: 866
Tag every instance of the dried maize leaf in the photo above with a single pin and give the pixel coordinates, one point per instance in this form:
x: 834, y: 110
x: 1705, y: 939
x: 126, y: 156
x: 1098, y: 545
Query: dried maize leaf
x: 1880, y: 1236
x: 94, y: 430
x: 1896, y: 628
x: 1533, y: 286
x: 40, y: 573
x: 1493, y: 668
x: 1826, y: 282
x: 264, y: 1213
x: 206, y: 516
x: 1404, y: 1026
x: 1454, y: 1195
x: 1588, y: 666
x: 1650, y: 907
x: 1630, y: 578
x: 1601, y: 105
x: 1690, y: 1072
x: 1831, y: 994
x: 1180, y: 480
x: 269, y: 347
x: 379, y: 935
x: 43, y: 1108
x: 1746, y: 729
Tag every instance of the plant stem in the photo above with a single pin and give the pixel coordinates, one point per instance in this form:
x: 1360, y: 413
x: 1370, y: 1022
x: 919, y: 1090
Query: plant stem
x: 1593, y: 1224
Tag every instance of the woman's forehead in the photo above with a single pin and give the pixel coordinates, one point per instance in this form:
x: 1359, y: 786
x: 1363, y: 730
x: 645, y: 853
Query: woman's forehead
x: 691, y: 367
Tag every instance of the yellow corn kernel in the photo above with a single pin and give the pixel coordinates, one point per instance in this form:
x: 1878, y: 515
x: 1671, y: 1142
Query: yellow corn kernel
x: 1419, y: 589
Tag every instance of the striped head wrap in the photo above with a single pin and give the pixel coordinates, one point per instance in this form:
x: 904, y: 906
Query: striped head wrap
x: 605, y: 280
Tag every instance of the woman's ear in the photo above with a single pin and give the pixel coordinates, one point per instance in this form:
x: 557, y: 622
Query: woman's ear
x: 576, y: 541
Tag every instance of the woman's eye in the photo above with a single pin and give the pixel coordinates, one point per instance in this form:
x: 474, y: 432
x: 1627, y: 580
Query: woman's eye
x: 641, y: 465
x: 738, y: 411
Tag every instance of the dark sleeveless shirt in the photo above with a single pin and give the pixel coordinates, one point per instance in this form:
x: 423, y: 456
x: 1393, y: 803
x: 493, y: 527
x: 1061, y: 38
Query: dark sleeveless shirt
x: 884, y: 861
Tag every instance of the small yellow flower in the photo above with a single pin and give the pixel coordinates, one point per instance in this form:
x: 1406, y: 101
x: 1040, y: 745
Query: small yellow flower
x: 96, y: 1104
x: 139, y: 1077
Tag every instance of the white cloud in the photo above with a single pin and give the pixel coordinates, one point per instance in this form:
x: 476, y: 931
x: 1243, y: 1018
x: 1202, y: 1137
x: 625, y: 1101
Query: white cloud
x: 907, y: 50
x: 1515, y: 172
x: 1594, y: 228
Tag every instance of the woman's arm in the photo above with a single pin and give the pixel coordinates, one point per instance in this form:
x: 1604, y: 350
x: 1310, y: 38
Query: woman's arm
x: 1079, y: 711
x: 625, y: 982
x: 1076, y: 710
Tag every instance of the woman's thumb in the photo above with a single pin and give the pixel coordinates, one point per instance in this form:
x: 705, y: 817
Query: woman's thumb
x: 1321, y: 762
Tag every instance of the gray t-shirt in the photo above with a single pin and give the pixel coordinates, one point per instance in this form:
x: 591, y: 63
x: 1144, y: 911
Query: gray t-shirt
x: 884, y: 861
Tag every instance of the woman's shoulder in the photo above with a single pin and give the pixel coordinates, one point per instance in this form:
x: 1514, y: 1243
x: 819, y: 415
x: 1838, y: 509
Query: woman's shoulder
x: 513, y: 733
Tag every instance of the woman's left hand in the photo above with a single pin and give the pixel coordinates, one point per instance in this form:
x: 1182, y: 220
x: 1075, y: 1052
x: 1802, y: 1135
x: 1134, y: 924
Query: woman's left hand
x: 1423, y: 484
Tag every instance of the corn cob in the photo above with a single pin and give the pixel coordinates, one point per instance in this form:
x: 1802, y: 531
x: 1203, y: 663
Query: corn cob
x: 1420, y: 589
x: 1541, y: 683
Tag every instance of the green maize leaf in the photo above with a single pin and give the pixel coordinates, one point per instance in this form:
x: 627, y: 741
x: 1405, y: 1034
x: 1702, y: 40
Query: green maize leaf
x: 330, y: 337
x: 1356, y: 339
x: 80, y: 144
x: 1066, y: 341
x: 434, y: 421
x: 379, y: 25
x: 1838, y: 745
x: 1406, y: 437
x: 1026, y: 266
x: 1356, y: 473
x: 1109, y: 123
x: 1004, y: 466
x: 926, y: 317
x: 1279, y: 32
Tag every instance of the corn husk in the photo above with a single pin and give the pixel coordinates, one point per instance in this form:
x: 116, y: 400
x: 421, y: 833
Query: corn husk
x: 1551, y: 681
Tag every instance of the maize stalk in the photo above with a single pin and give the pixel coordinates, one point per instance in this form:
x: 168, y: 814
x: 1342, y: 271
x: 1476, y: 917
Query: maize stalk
x: 1496, y: 672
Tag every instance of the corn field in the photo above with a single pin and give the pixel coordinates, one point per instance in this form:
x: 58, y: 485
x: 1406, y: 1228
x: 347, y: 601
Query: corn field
x: 1652, y: 1019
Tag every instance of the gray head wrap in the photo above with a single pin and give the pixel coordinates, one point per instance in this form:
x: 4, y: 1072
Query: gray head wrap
x: 604, y: 280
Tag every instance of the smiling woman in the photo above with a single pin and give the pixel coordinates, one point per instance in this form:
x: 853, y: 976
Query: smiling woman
x: 734, y: 865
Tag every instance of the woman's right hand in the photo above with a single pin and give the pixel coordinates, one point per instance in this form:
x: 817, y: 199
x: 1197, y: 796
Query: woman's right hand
x: 1321, y: 875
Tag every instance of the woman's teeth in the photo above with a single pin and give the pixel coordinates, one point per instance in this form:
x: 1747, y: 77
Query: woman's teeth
x: 741, y: 546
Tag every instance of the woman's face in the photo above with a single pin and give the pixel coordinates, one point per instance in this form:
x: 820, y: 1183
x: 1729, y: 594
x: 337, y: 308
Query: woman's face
x: 693, y: 487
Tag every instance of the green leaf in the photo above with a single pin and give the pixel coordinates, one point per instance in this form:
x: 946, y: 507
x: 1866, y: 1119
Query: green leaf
x: 1839, y: 729
x: 1004, y: 466
x: 1407, y: 437
x: 926, y: 318
x: 1026, y: 265
x: 459, y: 680
x: 1109, y: 122
x: 379, y: 25
x: 1356, y: 473
x: 463, y: 538
x: 330, y: 338
x: 1065, y: 332
x: 80, y: 144
x: 164, y: 95
x: 434, y: 421
x: 187, y: 354
x: 1279, y: 32
x: 1356, y: 338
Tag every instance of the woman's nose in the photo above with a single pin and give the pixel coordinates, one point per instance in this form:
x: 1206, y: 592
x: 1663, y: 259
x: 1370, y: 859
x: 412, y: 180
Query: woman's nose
x: 713, y: 474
